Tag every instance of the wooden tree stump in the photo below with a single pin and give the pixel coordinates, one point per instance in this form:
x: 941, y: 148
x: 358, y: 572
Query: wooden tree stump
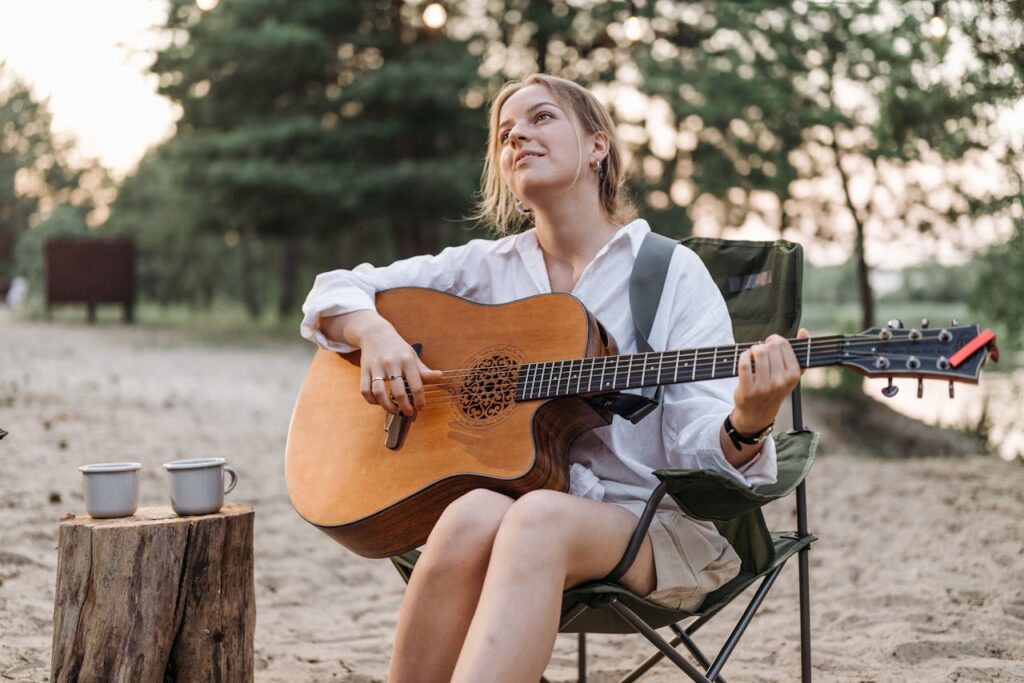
x: 155, y: 597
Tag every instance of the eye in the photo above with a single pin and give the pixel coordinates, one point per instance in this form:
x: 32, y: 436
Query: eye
x: 543, y: 113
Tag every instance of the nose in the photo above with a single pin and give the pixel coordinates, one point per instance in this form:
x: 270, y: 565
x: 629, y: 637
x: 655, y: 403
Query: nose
x: 517, y: 133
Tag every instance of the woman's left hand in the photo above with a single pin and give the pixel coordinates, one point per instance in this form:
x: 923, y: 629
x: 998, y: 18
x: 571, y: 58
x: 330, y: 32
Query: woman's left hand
x: 768, y: 374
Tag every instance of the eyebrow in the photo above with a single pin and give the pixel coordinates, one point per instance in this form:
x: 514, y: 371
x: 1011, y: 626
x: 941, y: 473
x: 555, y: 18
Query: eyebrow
x: 536, y: 106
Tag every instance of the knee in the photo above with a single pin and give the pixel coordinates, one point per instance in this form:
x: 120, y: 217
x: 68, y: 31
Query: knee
x: 535, y: 523
x: 465, y: 531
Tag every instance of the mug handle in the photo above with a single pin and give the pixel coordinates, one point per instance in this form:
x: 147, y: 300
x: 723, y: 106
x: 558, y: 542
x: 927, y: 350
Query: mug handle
x: 234, y: 478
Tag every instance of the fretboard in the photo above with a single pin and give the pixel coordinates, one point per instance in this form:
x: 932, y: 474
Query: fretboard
x: 613, y: 373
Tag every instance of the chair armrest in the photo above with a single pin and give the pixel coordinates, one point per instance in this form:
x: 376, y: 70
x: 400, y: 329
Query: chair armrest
x: 704, y: 494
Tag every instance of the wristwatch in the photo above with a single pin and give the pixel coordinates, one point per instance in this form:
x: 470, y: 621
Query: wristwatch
x: 749, y: 439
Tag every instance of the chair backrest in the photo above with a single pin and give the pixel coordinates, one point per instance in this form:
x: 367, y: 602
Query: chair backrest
x: 762, y: 286
x: 761, y: 282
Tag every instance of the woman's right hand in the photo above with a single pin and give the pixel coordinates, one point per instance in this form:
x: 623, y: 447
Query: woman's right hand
x: 384, y: 354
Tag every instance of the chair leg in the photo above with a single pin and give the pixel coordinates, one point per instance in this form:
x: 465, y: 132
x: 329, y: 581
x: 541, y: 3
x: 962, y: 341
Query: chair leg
x: 658, y: 642
x: 744, y: 621
x: 684, y: 638
x: 805, y: 618
x: 582, y: 656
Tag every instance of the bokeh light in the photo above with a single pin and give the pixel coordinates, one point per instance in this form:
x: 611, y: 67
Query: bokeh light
x: 434, y: 15
x: 207, y: 5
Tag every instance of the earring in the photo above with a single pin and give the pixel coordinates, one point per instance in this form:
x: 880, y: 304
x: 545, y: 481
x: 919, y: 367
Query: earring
x: 599, y: 167
x: 522, y: 208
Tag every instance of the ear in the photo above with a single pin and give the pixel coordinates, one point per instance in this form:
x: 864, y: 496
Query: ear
x: 600, y: 146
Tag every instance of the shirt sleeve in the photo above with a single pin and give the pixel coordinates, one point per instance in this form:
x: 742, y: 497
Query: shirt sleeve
x: 343, y: 291
x: 693, y: 413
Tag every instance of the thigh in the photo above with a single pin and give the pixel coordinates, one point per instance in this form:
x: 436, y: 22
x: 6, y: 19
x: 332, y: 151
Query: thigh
x: 594, y: 536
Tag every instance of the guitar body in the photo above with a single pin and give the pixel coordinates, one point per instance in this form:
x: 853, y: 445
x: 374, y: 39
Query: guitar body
x: 380, y: 502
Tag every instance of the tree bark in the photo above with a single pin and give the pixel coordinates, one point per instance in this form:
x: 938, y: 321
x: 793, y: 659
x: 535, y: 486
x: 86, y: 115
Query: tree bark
x: 867, y: 296
x: 155, y: 597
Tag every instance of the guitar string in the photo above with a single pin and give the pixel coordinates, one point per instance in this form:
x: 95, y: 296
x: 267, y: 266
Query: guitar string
x: 722, y: 352
x: 716, y: 355
x: 449, y: 397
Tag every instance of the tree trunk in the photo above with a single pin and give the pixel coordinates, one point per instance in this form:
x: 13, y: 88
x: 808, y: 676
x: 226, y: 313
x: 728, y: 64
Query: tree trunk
x: 867, y: 296
x: 291, y: 256
x: 250, y: 292
x: 155, y: 598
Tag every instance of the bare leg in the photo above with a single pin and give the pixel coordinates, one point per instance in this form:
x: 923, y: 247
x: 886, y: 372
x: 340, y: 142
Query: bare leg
x: 445, y: 587
x: 547, y: 542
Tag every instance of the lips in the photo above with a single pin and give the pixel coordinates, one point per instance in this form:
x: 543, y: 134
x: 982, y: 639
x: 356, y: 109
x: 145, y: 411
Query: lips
x: 523, y: 156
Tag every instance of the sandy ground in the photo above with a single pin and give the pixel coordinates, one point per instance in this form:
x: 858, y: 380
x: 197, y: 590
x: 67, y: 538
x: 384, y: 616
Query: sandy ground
x: 918, y: 574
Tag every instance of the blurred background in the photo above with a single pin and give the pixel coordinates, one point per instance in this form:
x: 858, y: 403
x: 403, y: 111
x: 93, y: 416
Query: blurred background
x: 245, y: 145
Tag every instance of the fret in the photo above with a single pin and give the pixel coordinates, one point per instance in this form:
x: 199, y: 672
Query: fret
x: 643, y: 371
x: 615, y: 376
x: 526, y: 380
x: 675, y: 376
x: 661, y: 359
x: 694, y: 375
x: 590, y: 380
x: 604, y: 367
x: 579, y: 376
x: 807, y: 363
x: 735, y: 356
x: 561, y: 373
x: 550, y: 367
x: 714, y: 361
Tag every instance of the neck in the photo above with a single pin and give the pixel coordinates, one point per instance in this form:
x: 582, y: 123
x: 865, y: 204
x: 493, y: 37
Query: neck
x: 614, y: 373
x: 573, y: 229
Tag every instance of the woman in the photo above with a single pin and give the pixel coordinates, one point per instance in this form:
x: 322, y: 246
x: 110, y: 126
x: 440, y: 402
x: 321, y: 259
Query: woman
x: 483, y: 603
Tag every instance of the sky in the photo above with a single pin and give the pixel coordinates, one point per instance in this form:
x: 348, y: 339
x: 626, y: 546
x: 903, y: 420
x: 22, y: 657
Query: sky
x: 89, y: 58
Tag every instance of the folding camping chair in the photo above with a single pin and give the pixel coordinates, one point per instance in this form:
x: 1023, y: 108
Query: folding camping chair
x: 761, y: 283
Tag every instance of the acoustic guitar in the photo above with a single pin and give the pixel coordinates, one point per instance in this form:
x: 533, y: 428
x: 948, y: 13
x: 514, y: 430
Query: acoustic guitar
x: 521, y: 381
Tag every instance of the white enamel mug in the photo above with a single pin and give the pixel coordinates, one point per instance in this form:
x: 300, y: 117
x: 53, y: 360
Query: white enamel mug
x: 197, y: 485
x: 111, y: 488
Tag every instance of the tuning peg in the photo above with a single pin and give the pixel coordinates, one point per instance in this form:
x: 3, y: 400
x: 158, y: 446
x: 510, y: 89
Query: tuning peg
x: 951, y: 395
x: 895, y: 324
x: 920, y: 388
x: 890, y: 390
x: 925, y: 323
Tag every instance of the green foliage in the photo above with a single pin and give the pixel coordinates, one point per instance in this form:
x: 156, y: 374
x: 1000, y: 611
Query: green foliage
x: 320, y: 134
x: 830, y: 284
x: 997, y: 292
x: 35, y: 173
x: 935, y: 282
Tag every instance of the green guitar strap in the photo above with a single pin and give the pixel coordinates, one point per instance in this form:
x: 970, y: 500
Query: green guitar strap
x: 645, y: 285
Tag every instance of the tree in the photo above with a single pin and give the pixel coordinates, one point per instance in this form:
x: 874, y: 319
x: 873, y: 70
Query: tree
x: 35, y: 172
x: 302, y: 120
x: 823, y: 118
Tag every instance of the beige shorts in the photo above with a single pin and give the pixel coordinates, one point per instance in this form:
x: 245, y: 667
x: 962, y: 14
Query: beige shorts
x: 690, y: 557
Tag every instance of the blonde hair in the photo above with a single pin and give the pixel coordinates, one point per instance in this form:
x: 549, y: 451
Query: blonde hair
x: 496, y: 206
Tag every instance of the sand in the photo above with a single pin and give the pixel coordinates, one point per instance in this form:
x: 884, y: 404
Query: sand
x: 918, y: 574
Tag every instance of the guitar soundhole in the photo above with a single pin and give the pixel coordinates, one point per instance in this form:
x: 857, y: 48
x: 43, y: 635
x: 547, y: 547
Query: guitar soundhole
x: 488, y: 392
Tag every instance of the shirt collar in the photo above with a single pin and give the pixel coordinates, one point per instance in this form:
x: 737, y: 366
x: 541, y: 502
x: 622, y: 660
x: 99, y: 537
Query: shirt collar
x: 635, y: 231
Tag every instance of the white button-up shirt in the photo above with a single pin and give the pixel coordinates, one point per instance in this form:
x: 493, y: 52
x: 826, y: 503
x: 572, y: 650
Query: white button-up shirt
x: 615, y: 462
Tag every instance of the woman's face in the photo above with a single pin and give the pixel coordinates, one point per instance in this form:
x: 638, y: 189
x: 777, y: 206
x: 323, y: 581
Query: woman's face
x: 539, y: 145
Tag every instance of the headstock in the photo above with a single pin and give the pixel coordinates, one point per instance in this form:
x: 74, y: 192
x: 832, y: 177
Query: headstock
x: 955, y: 353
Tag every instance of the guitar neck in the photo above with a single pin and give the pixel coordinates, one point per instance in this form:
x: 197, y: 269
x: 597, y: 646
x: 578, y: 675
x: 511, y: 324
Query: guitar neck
x: 572, y: 377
